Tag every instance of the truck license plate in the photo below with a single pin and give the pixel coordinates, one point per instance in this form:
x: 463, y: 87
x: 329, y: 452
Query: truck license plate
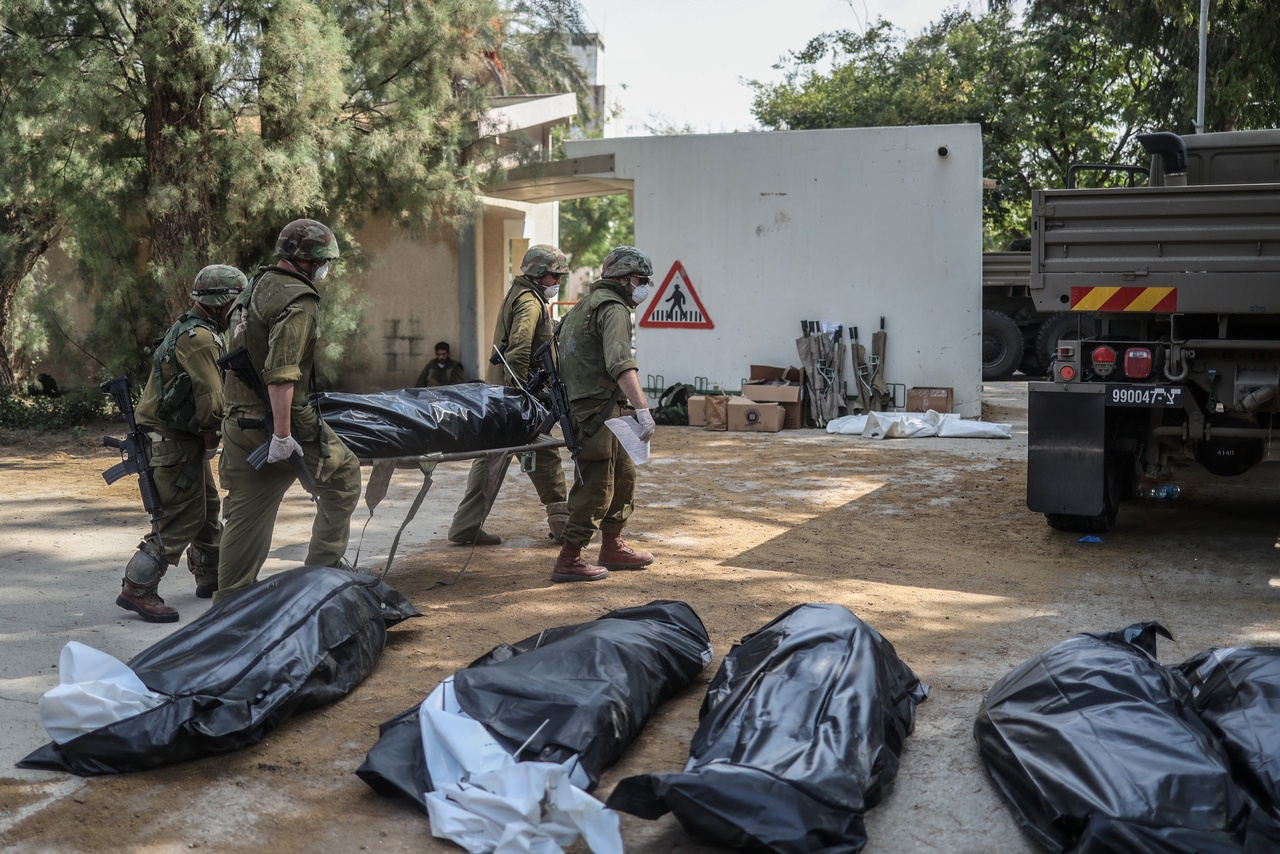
x: 1144, y: 395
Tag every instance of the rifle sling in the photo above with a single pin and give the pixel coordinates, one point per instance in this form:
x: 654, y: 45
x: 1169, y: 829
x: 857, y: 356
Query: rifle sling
x: 593, y: 426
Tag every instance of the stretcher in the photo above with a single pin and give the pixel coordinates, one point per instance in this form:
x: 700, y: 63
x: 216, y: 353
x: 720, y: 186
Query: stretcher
x: 495, y: 471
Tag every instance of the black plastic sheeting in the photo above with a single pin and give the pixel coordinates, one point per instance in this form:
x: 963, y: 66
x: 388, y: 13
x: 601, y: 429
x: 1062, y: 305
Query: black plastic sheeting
x: 444, y: 419
x: 1098, y: 747
x: 798, y: 736
x: 591, y: 687
x: 1236, y: 692
x: 296, y: 641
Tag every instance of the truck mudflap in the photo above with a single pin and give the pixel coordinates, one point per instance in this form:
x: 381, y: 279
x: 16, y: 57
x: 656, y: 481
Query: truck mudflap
x: 1066, y: 448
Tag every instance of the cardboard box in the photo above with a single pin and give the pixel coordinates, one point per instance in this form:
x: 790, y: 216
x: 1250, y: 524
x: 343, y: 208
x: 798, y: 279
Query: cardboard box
x: 924, y: 398
x: 762, y: 387
x: 697, y: 410
x: 751, y: 417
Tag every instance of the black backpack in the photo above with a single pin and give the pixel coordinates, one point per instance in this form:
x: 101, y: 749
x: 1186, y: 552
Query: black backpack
x: 673, y: 405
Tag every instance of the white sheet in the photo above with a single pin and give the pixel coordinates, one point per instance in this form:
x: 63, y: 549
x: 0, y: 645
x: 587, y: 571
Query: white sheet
x: 96, y: 689
x: 917, y: 425
x: 485, y: 801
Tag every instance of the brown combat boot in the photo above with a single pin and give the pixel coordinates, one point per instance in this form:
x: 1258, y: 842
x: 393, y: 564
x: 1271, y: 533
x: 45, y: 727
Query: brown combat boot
x: 615, y: 554
x: 570, y: 566
x: 145, y: 602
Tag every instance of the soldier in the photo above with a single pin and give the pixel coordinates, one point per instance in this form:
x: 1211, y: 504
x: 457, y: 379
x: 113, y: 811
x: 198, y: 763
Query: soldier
x: 275, y: 320
x: 443, y: 371
x: 598, y: 370
x: 524, y: 325
x: 181, y: 410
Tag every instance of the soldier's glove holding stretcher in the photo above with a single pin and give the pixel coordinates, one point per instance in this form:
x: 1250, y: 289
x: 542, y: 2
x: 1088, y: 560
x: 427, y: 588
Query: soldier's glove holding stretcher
x: 646, y: 424
x: 282, y: 449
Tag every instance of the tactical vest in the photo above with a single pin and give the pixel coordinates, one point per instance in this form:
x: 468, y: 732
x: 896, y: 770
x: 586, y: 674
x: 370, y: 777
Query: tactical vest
x: 176, y: 403
x: 268, y: 295
x: 497, y: 374
x: 582, y: 364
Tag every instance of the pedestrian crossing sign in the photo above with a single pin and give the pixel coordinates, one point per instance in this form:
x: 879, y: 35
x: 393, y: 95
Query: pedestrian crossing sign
x: 676, y: 304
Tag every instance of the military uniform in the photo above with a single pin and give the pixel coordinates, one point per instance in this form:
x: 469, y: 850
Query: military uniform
x: 275, y: 320
x: 595, y: 349
x: 522, y: 327
x: 180, y: 407
x: 436, y: 374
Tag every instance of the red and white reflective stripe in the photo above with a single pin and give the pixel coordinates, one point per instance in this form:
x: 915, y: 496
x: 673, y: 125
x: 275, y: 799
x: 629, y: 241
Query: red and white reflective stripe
x: 1124, y: 299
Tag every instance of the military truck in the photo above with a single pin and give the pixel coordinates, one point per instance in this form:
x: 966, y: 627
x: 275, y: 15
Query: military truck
x: 1016, y: 336
x: 1176, y: 287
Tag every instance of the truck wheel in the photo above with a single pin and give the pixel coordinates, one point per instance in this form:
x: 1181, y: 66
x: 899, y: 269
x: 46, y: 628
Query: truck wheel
x: 1031, y: 364
x: 1063, y: 326
x: 1001, y: 345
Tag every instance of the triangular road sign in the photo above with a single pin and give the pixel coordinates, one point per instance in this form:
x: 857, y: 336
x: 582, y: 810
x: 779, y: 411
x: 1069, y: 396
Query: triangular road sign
x: 679, y: 309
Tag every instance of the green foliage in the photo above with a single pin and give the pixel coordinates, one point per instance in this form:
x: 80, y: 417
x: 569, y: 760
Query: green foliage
x: 74, y: 409
x: 590, y: 228
x: 1074, y: 82
x: 175, y: 133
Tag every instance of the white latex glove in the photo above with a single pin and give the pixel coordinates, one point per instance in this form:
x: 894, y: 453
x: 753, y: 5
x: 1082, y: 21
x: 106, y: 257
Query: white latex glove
x: 282, y: 449
x: 646, y: 424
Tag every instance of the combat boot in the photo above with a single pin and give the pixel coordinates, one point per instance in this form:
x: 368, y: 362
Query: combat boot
x: 570, y: 566
x: 557, y: 516
x: 615, y: 554
x: 204, y: 566
x: 145, y: 602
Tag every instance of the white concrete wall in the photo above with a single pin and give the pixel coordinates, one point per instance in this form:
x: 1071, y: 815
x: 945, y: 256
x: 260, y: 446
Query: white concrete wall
x: 843, y: 226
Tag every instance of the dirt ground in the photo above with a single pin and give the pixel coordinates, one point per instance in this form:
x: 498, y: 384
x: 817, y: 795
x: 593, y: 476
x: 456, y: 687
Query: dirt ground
x: 927, y: 540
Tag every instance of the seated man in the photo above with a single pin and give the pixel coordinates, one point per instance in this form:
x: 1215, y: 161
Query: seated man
x: 443, y: 371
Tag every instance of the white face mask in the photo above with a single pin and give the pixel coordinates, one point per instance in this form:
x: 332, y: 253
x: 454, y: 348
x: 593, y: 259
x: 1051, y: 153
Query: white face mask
x: 321, y: 272
x: 551, y: 292
x: 640, y: 294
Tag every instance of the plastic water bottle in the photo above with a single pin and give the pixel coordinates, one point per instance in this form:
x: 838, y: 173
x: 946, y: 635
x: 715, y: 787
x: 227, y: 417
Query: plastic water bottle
x: 1163, y: 491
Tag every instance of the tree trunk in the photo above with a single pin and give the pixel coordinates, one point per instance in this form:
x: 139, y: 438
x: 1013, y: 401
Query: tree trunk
x: 181, y: 173
x: 26, y: 233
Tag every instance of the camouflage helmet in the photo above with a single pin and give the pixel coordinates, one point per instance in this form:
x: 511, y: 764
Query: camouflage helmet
x: 542, y: 259
x: 218, y: 284
x: 626, y: 261
x: 308, y: 240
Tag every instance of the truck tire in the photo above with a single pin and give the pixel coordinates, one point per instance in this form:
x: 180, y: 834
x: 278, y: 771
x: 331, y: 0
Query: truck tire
x: 1001, y: 345
x: 1031, y: 364
x: 1062, y: 326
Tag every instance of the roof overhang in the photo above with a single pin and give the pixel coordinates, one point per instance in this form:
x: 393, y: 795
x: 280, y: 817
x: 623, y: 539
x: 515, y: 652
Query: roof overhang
x: 561, y: 180
x: 510, y: 114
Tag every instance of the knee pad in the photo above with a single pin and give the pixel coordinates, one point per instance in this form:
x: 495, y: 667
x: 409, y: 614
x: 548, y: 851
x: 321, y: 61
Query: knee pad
x: 557, y: 516
x: 203, y: 564
x: 147, y: 565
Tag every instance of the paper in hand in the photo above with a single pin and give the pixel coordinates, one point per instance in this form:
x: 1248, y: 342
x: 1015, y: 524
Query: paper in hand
x: 628, y: 432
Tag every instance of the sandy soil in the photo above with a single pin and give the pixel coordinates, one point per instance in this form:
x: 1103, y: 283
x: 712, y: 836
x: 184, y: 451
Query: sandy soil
x: 928, y: 540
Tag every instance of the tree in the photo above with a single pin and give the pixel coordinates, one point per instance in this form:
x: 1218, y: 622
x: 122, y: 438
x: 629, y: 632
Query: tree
x: 1159, y: 40
x: 33, y: 156
x: 199, y: 129
x: 1073, y: 83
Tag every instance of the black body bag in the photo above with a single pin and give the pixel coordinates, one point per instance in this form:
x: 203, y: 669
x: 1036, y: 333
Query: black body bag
x: 586, y: 689
x: 444, y: 419
x: 1236, y: 692
x: 1098, y: 747
x: 296, y: 641
x: 798, y: 736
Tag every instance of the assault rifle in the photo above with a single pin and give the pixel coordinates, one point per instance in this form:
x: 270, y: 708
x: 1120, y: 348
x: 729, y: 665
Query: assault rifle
x: 239, y: 364
x: 133, y: 450
x: 545, y: 377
